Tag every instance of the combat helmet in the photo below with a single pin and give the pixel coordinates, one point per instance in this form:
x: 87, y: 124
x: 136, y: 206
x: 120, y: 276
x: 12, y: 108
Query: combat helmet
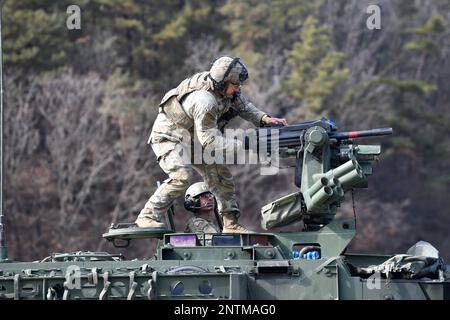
x: 227, y: 69
x: 192, y: 196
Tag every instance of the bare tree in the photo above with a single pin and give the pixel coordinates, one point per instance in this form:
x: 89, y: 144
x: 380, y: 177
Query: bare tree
x: 75, y: 162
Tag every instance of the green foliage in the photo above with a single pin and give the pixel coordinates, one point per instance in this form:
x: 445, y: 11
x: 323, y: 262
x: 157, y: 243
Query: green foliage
x: 426, y: 37
x: 129, y: 24
x: 34, y: 36
x: 127, y: 98
x: 434, y: 25
x: 149, y: 36
x: 414, y: 86
x: 254, y: 24
x: 187, y: 18
x: 315, y: 67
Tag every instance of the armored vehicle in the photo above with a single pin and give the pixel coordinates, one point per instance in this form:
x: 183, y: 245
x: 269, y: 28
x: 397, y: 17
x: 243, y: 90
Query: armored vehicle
x: 311, y: 263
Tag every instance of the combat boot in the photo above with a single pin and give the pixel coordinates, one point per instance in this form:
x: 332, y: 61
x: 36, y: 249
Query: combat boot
x: 230, y: 224
x: 149, y: 219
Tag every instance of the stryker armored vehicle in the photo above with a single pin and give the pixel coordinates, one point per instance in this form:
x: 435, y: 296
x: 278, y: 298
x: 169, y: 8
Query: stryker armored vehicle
x: 310, y: 263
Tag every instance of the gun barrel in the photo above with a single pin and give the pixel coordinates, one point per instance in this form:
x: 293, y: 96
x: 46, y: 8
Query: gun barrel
x: 361, y: 133
x: 293, y: 135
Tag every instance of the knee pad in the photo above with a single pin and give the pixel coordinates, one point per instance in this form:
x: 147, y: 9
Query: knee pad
x: 183, y: 177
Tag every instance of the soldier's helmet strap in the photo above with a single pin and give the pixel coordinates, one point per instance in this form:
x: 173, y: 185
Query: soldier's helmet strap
x: 220, y: 85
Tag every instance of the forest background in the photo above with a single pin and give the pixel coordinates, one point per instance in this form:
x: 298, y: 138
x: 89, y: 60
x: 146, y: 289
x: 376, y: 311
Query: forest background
x: 80, y: 105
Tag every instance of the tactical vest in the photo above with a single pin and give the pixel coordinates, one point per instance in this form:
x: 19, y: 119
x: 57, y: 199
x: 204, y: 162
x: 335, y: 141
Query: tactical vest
x: 171, y: 102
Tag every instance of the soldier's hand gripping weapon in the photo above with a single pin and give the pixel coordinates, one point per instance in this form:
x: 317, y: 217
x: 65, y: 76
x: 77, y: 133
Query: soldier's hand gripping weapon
x: 328, y: 163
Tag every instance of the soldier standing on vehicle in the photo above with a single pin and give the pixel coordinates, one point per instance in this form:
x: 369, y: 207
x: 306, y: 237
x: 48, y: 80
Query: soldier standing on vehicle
x: 201, y: 106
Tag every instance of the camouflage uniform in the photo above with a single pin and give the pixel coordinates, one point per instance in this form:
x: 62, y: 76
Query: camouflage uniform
x: 202, y: 113
x: 203, y: 228
x: 200, y: 225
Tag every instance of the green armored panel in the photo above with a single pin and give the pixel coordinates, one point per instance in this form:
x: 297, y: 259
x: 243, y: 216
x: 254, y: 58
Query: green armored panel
x: 201, y: 286
x: 309, y: 279
x: 193, y: 253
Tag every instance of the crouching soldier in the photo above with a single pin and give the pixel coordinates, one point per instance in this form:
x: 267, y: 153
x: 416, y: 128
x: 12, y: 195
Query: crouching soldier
x: 201, y: 105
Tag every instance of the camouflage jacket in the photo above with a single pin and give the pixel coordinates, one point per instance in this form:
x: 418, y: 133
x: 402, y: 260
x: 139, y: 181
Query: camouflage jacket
x: 200, y: 225
x: 195, y: 106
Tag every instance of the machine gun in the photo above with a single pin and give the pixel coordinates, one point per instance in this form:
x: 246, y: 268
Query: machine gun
x: 328, y: 164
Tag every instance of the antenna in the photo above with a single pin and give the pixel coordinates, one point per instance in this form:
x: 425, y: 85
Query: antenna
x: 3, y: 248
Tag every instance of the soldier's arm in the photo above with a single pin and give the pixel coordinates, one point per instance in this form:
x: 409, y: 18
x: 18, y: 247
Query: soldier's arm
x: 249, y: 112
x: 205, y: 114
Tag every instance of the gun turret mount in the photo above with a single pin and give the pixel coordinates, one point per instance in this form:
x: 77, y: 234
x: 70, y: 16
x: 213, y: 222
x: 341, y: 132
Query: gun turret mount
x: 329, y: 164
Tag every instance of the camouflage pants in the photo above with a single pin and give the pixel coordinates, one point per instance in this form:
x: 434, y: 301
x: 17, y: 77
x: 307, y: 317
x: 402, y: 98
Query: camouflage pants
x: 216, y: 176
